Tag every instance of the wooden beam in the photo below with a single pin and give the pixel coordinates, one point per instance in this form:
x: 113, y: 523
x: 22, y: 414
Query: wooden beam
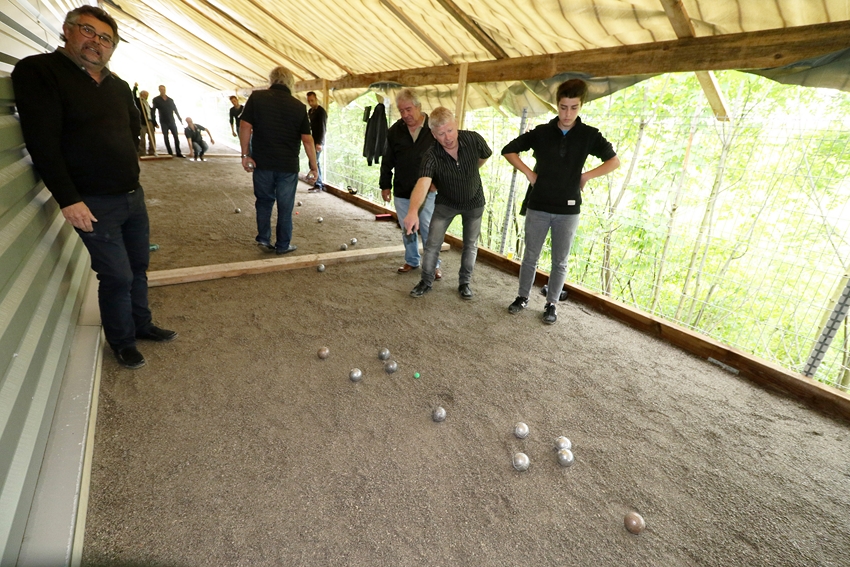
x: 419, y: 32
x: 751, y: 50
x: 474, y: 29
x: 679, y: 19
x: 460, y: 106
x: 235, y: 269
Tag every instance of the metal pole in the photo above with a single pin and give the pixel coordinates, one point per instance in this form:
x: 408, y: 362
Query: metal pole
x: 839, y: 313
x: 512, y: 193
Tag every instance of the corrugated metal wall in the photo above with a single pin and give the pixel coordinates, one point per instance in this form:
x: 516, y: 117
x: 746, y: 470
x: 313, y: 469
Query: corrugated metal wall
x: 44, y: 269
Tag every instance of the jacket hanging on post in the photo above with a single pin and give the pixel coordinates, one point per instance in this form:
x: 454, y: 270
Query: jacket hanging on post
x: 376, y: 135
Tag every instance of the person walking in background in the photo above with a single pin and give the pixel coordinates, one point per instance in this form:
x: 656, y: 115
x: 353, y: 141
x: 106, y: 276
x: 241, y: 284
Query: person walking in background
x: 407, y: 141
x: 274, y: 126
x: 147, y: 124
x: 318, y: 125
x: 166, y: 108
x: 452, y: 164
x: 235, y: 115
x: 67, y: 100
x: 553, y: 200
x: 194, y: 136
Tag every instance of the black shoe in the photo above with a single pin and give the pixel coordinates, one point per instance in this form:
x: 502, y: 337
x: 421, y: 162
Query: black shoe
x: 130, y: 357
x: 465, y: 291
x: 314, y: 189
x: 292, y: 248
x: 180, y: 156
x: 550, y: 314
x: 421, y: 289
x: 518, y: 305
x: 158, y: 335
x: 544, y: 291
x: 266, y: 246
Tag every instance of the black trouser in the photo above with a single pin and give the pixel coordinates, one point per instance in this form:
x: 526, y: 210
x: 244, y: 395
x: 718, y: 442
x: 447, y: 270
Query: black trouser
x: 166, y: 128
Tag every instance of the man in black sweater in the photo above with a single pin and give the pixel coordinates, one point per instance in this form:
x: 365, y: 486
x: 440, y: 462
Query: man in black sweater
x: 166, y: 107
x: 318, y: 126
x: 81, y: 128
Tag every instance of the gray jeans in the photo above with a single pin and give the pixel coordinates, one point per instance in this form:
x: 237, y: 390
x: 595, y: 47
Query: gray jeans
x: 440, y: 221
x: 537, y: 225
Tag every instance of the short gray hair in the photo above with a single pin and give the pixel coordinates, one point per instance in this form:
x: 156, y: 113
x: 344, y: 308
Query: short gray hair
x: 407, y: 95
x: 280, y: 75
x: 440, y: 116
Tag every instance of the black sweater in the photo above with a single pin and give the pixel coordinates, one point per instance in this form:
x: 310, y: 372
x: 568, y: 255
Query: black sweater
x: 82, y: 136
x: 559, y: 172
x: 404, y: 156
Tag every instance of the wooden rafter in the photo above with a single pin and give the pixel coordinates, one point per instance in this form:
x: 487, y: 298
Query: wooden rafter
x: 682, y: 25
x: 474, y: 29
x: 750, y: 50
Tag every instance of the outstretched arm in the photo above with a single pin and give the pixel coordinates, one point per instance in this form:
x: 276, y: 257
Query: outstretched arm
x: 417, y: 197
x: 604, y: 169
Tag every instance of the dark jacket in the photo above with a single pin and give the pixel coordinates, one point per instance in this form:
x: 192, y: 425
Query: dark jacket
x: 278, y: 120
x: 83, y: 137
x: 318, y: 124
x: 166, y: 110
x: 404, y: 156
x: 376, y: 135
x: 560, y: 160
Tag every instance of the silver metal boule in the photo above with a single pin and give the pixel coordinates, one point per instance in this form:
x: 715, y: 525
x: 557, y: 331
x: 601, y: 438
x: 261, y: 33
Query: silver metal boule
x: 563, y: 443
x: 384, y: 354
x: 355, y: 375
x: 391, y: 366
x: 320, y: 219
x: 521, y: 430
x: 566, y: 458
x: 439, y: 414
x: 300, y: 203
x: 353, y: 241
x: 324, y: 352
x: 521, y: 462
x: 343, y: 246
x: 321, y: 267
x: 238, y: 210
x: 634, y: 522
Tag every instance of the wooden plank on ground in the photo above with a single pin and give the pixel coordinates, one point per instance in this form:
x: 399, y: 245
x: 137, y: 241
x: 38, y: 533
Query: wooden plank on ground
x: 277, y: 264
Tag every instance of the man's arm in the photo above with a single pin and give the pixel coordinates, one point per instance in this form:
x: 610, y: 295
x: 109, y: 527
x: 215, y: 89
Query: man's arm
x: 385, y: 182
x: 516, y: 161
x: 207, y: 130
x: 481, y: 162
x: 310, y: 148
x: 245, y: 131
x: 177, y: 112
x: 417, y: 197
x: 604, y: 169
x: 189, y: 143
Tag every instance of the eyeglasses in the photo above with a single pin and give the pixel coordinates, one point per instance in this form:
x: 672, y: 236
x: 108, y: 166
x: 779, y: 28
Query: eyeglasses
x: 91, y: 33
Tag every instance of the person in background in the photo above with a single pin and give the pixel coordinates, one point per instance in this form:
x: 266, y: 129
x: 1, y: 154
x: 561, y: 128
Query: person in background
x: 235, y: 115
x: 197, y: 144
x: 318, y: 125
x: 166, y: 108
x: 147, y: 124
x: 274, y: 126
x: 553, y: 200
x: 407, y: 141
x: 452, y: 164
x: 67, y: 100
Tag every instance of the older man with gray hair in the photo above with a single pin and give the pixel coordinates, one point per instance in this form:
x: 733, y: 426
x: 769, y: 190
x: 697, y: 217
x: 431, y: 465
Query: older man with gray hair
x: 279, y: 125
x: 407, y: 141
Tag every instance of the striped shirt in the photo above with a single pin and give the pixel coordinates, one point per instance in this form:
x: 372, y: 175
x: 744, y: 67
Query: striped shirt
x: 458, y: 182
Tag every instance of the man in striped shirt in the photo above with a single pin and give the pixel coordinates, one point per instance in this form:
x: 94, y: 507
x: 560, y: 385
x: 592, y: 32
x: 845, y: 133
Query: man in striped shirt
x: 452, y: 165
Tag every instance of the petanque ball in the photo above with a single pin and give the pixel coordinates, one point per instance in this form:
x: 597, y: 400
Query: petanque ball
x: 566, y: 458
x: 355, y: 375
x: 324, y: 352
x: 320, y: 219
x: 384, y: 354
x: 353, y: 241
x: 563, y: 443
x: 439, y: 414
x: 634, y: 522
x: 521, y: 430
x: 343, y: 246
x: 320, y: 267
x: 238, y: 210
x: 521, y: 462
x: 391, y: 366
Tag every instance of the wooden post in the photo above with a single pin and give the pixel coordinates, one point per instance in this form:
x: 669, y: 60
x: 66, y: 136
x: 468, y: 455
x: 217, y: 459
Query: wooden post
x: 460, y: 109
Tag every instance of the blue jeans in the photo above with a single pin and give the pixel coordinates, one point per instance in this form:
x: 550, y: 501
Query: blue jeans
x: 440, y: 221
x: 166, y: 128
x: 411, y: 244
x: 537, y: 225
x: 318, y: 182
x: 119, y: 248
x: 200, y: 148
x: 272, y: 187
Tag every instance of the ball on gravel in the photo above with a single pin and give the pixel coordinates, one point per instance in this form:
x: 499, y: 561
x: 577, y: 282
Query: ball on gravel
x: 353, y: 241
x: 320, y: 267
x: 320, y: 219
x: 355, y: 375
x: 238, y: 210
x: 384, y: 354
x: 521, y: 462
x: 521, y: 430
x: 343, y: 246
x: 634, y: 523
x: 324, y: 352
x: 563, y: 443
x: 566, y: 458
x: 439, y: 414
x: 300, y: 203
x: 391, y: 366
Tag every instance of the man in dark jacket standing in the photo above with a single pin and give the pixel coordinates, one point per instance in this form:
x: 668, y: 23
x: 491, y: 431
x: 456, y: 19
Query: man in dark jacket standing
x: 553, y: 201
x: 319, y: 125
x: 407, y: 141
x: 69, y: 103
x: 167, y: 108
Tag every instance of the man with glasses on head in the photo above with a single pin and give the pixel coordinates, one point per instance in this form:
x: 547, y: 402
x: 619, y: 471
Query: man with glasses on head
x: 81, y: 128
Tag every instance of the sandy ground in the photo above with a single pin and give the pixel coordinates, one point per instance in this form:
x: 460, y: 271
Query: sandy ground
x: 237, y: 445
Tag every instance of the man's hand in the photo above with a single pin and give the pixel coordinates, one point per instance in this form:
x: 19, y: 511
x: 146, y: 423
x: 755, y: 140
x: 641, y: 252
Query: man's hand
x: 583, y: 181
x: 313, y: 173
x: 386, y: 195
x: 79, y: 216
x: 248, y: 164
x: 532, y: 178
x: 212, y: 141
x: 232, y: 131
x: 432, y: 188
x: 411, y: 222
x: 318, y: 147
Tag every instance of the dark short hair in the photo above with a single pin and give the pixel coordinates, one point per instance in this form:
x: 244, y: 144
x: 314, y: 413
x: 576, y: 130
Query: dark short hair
x: 311, y: 93
x: 73, y: 17
x: 574, y: 88
x: 231, y: 97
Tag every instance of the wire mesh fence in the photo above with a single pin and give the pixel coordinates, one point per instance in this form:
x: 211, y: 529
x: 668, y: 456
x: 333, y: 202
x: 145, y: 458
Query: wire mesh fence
x: 738, y: 229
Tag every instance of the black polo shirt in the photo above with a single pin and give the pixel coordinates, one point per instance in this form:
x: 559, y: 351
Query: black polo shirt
x: 83, y: 137
x: 458, y: 182
x: 195, y: 135
x: 278, y: 120
x: 404, y: 156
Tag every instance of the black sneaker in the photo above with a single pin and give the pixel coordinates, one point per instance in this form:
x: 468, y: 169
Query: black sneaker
x: 518, y: 305
x: 158, y: 335
x: 421, y: 289
x: 544, y: 291
x: 266, y: 246
x: 290, y: 248
x: 550, y: 314
x: 465, y: 291
x: 130, y: 357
